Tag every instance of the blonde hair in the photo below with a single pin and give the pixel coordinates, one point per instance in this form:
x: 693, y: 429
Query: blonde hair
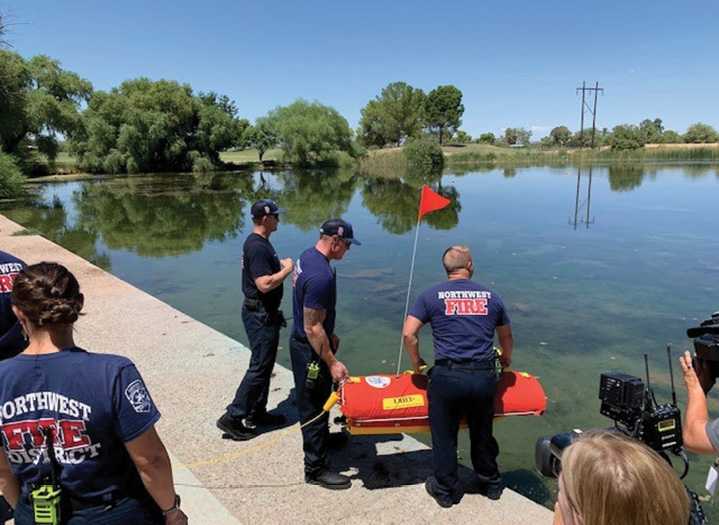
x: 456, y: 258
x: 609, y: 478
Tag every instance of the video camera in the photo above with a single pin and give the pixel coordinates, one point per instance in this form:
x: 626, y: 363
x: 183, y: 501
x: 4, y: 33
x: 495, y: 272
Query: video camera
x: 706, y: 343
x: 635, y: 412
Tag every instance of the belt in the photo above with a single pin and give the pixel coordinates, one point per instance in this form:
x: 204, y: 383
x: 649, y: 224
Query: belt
x: 82, y: 504
x: 107, y: 500
x: 302, y: 340
x: 466, y: 365
x: 253, y: 304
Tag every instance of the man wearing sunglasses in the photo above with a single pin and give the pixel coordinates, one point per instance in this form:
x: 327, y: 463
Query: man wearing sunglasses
x: 313, y: 345
x: 262, y: 276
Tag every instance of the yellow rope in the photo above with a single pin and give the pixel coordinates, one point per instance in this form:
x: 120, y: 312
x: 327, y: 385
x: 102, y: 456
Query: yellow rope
x: 334, y: 397
x: 238, y: 453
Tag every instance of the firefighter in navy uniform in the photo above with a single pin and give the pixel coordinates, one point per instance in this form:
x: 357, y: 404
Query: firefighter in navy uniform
x: 262, y: 276
x: 12, y: 340
x: 464, y: 316
x: 313, y: 345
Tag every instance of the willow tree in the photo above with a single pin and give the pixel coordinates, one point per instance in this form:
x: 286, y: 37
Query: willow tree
x: 38, y: 101
x: 155, y: 126
x: 311, y: 134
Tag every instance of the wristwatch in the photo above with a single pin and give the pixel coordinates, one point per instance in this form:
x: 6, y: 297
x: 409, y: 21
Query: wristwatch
x: 174, y: 507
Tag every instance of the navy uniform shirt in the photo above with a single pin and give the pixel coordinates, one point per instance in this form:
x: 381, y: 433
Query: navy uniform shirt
x: 11, y: 340
x: 463, y: 316
x: 94, y: 402
x: 259, y: 259
x: 314, y: 285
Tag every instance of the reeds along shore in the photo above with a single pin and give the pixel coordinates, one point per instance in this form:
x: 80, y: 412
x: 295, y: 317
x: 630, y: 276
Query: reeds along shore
x: 586, y: 156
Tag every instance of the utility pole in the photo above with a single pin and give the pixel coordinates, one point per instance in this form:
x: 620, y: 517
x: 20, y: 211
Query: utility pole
x: 593, y: 111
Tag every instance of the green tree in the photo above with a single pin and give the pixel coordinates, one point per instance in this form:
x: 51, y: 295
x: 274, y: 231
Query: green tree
x: 487, y: 138
x: 626, y: 137
x: 311, y: 134
x: 523, y: 136
x: 443, y: 111
x: 424, y: 155
x: 393, y: 116
x: 38, y: 100
x: 11, y: 178
x: 671, y: 137
x: 218, y: 127
x: 560, y: 135
x: 583, y: 139
x: 462, y: 137
x: 148, y: 126
x: 701, y: 133
x: 651, y: 131
x: 261, y: 136
x: 511, y: 136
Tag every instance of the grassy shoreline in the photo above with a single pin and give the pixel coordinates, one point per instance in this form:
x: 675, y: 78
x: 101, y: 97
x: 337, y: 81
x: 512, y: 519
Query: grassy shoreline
x: 465, y: 156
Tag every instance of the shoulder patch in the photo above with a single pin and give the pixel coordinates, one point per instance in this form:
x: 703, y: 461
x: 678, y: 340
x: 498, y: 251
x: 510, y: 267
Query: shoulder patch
x: 139, y: 398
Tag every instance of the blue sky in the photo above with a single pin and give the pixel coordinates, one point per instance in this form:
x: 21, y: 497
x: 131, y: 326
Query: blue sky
x: 518, y: 63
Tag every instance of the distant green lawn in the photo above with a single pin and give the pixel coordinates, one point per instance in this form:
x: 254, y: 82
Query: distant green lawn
x: 249, y: 155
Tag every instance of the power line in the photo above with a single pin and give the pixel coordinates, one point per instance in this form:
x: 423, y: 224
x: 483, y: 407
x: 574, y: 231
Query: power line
x: 593, y: 111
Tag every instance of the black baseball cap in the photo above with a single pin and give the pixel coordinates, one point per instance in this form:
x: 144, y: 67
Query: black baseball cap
x: 265, y: 207
x: 340, y: 227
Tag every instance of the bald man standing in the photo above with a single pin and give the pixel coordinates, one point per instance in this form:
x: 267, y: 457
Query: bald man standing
x: 464, y: 316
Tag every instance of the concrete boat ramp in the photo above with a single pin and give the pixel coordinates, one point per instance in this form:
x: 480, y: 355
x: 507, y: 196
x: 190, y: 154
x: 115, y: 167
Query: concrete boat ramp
x: 192, y: 372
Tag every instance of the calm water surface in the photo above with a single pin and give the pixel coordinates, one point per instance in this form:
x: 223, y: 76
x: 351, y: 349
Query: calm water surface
x: 595, y: 274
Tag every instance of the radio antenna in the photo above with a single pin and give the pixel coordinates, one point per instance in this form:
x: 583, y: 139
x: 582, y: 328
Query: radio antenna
x: 671, y: 373
x: 650, y: 392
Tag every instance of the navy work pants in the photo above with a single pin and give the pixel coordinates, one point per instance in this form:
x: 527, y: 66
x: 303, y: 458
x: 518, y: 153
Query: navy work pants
x: 309, y: 404
x: 263, y: 332
x: 452, y: 393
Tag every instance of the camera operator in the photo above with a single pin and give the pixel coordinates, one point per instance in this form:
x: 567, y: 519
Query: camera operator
x: 610, y: 479
x: 700, y: 434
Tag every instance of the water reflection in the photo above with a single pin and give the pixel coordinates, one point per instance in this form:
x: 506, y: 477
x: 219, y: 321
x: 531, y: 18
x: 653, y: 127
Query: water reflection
x: 50, y: 218
x: 626, y: 178
x: 584, y: 203
x: 313, y: 196
x: 395, y: 203
x: 163, y: 216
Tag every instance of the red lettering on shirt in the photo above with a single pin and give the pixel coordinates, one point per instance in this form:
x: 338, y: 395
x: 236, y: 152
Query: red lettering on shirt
x: 72, y: 433
x: 465, y: 307
x: 6, y: 282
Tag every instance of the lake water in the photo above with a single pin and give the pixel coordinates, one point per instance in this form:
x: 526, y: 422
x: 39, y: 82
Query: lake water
x: 596, y: 266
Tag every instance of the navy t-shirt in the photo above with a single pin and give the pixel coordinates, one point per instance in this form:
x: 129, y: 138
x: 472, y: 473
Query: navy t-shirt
x: 463, y: 316
x: 11, y: 341
x: 259, y: 259
x: 95, y: 402
x: 314, y: 285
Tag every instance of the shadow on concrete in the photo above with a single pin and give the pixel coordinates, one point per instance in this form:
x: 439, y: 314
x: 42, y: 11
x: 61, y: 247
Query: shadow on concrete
x: 529, y: 484
x: 378, y: 471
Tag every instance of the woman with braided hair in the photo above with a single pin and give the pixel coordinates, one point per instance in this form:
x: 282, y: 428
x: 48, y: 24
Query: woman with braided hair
x: 92, y: 412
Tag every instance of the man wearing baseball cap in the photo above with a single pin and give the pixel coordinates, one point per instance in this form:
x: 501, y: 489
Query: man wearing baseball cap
x: 262, y: 276
x: 313, y: 345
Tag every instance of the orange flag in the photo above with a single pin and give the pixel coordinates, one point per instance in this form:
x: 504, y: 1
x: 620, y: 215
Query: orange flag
x: 431, y: 201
